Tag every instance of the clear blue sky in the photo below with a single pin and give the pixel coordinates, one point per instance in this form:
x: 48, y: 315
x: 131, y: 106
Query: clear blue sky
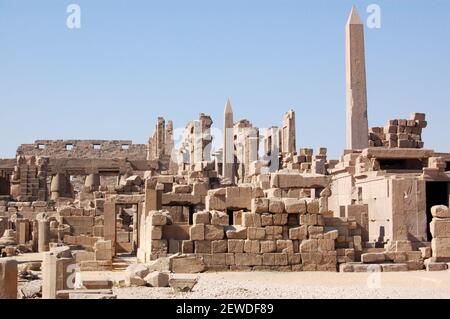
x: 133, y: 61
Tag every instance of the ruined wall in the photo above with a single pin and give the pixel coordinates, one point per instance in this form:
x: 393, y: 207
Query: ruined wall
x: 84, y: 149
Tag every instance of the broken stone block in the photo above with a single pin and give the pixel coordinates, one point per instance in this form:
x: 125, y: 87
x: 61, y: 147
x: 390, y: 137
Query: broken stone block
x: 219, y: 218
x: 137, y: 281
x: 158, y: 219
x: 346, y: 268
x: 182, y: 284
x: 214, y: 232
x: 325, y: 245
x: 285, y: 246
x: 136, y: 271
x: 236, y: 232
x: 298, y: 233
x: 157, y: 279
x: 97, y: 284
x: 260, y: 205
x: 431, y: 265
x: 236, y: 245
x: 332, y: 234
x: 313, y: 207
x: 266, y: 220
x: 188, y: 265
x: 197, y: 232
x: 426, y: 252
x: 276, y: 206
x: 440, y: 211
x: 202, y: 218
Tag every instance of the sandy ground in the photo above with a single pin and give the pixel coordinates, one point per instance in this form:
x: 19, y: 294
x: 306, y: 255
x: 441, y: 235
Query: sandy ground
x: 311, y: 285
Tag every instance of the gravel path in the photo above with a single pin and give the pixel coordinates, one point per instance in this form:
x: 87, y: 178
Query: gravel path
x: 311, y: 285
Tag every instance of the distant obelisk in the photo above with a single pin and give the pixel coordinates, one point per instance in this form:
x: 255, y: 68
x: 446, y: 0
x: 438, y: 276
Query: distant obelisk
x: 228, y: 144
x: 357, y: 121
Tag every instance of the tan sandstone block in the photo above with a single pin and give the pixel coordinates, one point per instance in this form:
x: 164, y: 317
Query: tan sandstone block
x: 235, y: 245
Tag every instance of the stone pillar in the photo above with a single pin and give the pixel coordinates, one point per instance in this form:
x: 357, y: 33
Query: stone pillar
x: 57, y: 274
x: 228, y: 144
x: 92, y: 181
x: 110, y: 231
x: 22, y: 231
x: 43, y: 235
x: 56, y: 187
x: 8, y: 278
x: 153, y: 197
x: 357, y: 119
x: 3, y: 224
x: 288, y: 133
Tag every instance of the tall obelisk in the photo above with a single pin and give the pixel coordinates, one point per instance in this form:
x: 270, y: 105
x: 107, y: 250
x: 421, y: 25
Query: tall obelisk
x: 357, y: 121
x: 228, y: 144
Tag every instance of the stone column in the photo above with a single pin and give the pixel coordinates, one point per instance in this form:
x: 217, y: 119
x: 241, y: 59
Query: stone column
x: 43, y: 235
x: 8, y: 278
x: 56, y: 274
x: 22, y: 231
x: 92, y: 181
x: 357, y: 119
x: 3, y: 224
x: 288, y: 133
x: 55, y: 187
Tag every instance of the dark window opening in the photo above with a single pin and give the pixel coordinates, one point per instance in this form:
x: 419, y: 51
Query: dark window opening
x: 447, y: 168
x: 230, y: 217
x: 4, y: 186
x: 191, y: 215
x: 399, y: 164
x: 437, y: 194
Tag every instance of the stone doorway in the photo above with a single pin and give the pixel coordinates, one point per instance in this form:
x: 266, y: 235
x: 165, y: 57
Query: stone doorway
x: 437, y: 194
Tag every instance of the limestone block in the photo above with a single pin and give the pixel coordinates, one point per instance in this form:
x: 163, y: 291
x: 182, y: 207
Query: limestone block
x: 280, y: 219
x: 276, y: 206
x: 312, y: 207
x: 214, y: 232
x: 440, y: 211
x: 181, y: 189
x: 236, y: 245
x: 202, y: 218
x: 294, y: 259
x: 136, y: 281
x: 315, y: 230
x: 431, y: 265
x: 251, y: 220
x: 312, y: 257
x: 237, y: 232
x: 325, y: 245
x: 136, y: 270
x: 248, y: 259
x: 156, y: 232
x: 372, y: 258
x: 309, y: 219
x: 8, y: 278
x: 266, y: 220
x: 197, y: 232
x: 274, y: 259
x: 274, y: 232
x: 219, y: 218
x: 332, y: 234
x: 285, y: 246
x: 268, y: 246
x: 298, y: 233
x: 309, y: 245
x: 440, y: 248
x: 219, y: 246
x: 440, y: 228
x: 203, y: 246
x: 367, y: 268
x: 251, y: 246
x: 157, y: 279
x: 256, y: 233
x: 158, y: 219
x: 295, y: 206
x: 103, y: 254
x: 260, y: 205
x: 187, y: 247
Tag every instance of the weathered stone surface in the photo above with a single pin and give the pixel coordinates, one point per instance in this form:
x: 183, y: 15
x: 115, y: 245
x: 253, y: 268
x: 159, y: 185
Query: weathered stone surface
x: 440, y: 228
x: 8, y: 278
x: 214, y: 232
x: 202, y: 218
x: 236, y: 245
x: 371, y: 258
x: 298, y: 233
x: 440, y: 211
x: 435, y: 266
x: 295, y: 206
x: 157, y: 279
x: 440, y: 248
x: 236, y: 232
x: 256, y: 233
x: 276, y: 206
x: 309, y: 245
x: 394, y: 267
x: 260, y: 205
x: 197, y: 232
x: 188, y: 265
x: 219, y: 246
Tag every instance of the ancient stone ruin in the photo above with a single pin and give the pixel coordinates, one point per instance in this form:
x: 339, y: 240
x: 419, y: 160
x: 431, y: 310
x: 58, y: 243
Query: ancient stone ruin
x: 258, y: 203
